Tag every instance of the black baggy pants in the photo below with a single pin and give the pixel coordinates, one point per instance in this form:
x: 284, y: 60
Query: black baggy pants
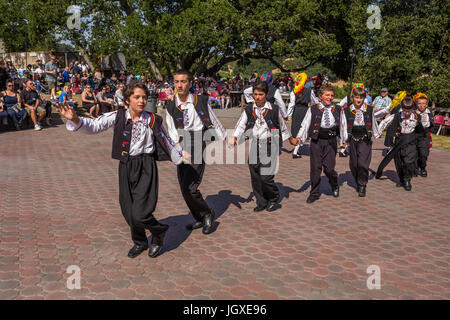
x: 423, y: 149
x: 263, y: 185
x: 138, y: 195
x: 360, y: 157
x: 323, y: 155
x: 406, y: 157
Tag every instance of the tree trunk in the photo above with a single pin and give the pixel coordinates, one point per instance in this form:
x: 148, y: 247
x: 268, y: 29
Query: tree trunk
x: 155, y: 70
x: 87, y: 59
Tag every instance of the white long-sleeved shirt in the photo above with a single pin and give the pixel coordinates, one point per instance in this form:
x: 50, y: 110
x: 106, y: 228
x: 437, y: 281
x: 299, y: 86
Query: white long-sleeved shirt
x: 260, y: 129
x: 291, y: 105
x: 408, y: 125
x: 194, y: 121
x: 142, y: 139
x: 248, y: 94
x: 424, y: 117
x: 359, y: 121
x: 303, y: 132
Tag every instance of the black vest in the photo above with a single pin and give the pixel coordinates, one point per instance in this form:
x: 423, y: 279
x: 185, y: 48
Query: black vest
x: 200, y: 105
x: 350, y: 116
x: 397, y: 123
x: 123, y: 132
x: 316, y: 120
x: 303, y: 98
x: 270, y: 116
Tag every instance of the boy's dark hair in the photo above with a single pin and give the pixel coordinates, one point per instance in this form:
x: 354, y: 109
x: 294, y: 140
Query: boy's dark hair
x: 407, y: 103
x: 129, y: 90
x: 358, y: 92
x: 326, y: 87
x: 261, y: 86
x: 184, y: 71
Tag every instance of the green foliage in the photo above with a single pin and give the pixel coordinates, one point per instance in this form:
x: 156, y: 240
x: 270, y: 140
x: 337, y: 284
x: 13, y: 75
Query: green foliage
x: 410, y: 52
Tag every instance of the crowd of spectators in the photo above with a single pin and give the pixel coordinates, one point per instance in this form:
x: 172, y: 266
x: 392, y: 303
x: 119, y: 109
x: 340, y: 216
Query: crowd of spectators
x: 100, y: 92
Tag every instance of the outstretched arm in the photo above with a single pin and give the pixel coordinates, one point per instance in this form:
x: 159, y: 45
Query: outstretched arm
x: 86, y: 125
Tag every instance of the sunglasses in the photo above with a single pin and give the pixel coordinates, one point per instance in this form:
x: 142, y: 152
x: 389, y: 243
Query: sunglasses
x: 9, y: 85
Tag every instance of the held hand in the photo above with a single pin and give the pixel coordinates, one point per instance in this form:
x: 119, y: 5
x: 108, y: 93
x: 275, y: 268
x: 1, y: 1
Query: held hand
x: 186, y: 156
x: 232, y: 141
x: 387, y: 116
x: 294, y: 141
x: 68, y: 112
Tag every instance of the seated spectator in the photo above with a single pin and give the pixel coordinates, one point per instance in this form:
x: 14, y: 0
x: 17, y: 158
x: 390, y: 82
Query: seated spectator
x: 382, y: 101
x: 119, y: 97
x: 105, y: 104
x: 109, y: 96
x: 31, y: 101
x: 368, y: 97
x: 89, y: 101
x: 198, y: 89
x: 65, y: 97
x: 12, y: 105
x: 225, y: 96
x: 282, y: 87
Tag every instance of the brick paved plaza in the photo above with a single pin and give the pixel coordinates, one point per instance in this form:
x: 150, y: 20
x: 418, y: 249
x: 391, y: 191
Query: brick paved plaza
x: 59, y: 207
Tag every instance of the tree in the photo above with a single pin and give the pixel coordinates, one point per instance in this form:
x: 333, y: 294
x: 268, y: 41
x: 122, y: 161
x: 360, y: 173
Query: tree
x: 410, y: 52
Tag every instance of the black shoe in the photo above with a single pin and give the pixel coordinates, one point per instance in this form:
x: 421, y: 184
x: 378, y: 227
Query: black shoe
x: 296, y: 156
x: 259, y: 208
x: 196, y: 225
x: 272, y: 206
x: 311, y: 199
x: 362, y: 191
x: 336, y: 192
x: 136, y: 250
x: 208, y: 223
x: 399, y: 184
x: 407, y: 185
x: 156, y: 245
x: 423, y: 173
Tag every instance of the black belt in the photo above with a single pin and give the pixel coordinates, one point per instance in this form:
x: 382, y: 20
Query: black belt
x: 327, y: 133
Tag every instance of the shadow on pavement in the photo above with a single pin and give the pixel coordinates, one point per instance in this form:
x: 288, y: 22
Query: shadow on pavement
x: 179, y: 229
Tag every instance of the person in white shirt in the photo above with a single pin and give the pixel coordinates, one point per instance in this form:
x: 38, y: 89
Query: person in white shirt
x: 139, y: 140
x: 300, y: 100
x: 382, y: 102
x: 273, y: 96
x: 358, y: 125
x: 259, y: 120
x: 404, y: 151
x: 321, y: 124
x: 423, y: 138
x: 188, y: 119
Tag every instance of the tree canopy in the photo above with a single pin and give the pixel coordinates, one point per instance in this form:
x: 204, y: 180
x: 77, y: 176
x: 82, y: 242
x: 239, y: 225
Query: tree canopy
x: 409, y: 51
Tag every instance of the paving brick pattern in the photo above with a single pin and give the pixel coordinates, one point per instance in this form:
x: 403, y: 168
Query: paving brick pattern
x: 59, y: 207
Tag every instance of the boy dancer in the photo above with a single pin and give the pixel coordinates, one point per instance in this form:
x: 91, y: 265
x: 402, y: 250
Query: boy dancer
x: 139, y: 140
x: 193, y: 116
x: 258, y: 119
x: 300, y: 98
x: 423, y: 132
x: 404, y: 150
x: 321, y: 124
x: 358, y: 124
x: 273, y: 96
